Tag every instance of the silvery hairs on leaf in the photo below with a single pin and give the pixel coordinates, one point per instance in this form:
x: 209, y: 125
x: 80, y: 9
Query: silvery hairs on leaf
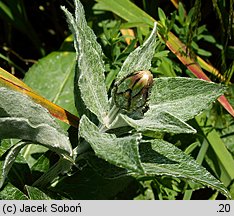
x: 9, y: 160
x: 155, y: 122
x: 183, y: 97
x: 122, y: 152
x: 140, y: 58
x: 172, y: 101
x: 159, y: 157
x: 22, y: 118
x: 90, y: 71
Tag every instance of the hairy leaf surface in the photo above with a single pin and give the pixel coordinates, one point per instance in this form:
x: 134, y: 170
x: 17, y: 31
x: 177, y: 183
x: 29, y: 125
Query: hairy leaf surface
x: 90, y: 66
x: 183, y: 97
x: 162, y: 158
x: 122, y: 152
x: 23, y: 119
x: 140, y: 58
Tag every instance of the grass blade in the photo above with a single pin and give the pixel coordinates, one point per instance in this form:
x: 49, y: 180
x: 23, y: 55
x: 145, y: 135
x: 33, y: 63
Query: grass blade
x: 218, y: 146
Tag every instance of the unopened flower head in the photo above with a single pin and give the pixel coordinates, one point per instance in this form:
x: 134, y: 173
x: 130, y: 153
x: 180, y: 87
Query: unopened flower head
x: 131, y: 93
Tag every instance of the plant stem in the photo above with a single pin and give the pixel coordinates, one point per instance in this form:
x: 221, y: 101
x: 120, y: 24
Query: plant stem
x: 82, y: 147
x: 111, y: 117
x: 61, y: 166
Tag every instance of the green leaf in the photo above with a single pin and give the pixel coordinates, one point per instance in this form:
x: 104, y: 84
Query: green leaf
x: 162, y: 17
x: 20, y: 173
x: 23, y: 119
x: 43, y: 163
x: 10, y: 192
x: 90, y: 72
x: 126, y: 10
x: 53, y: 78
x: 103, y: 167
x: 147, y: 193
x: 82, y: 24
x: 213, y: 137
x: 203, y: 52
x: 158, y: 122
x: 182, y: 13
x: 227, y: 135
x: 122, y: 152
x: 6, y: 144
x: 162, y: 158
x: 61, y: 166
x: 9, y: 160
x: 36, y: 194
x: 31, y: 151
x: 166, y: 68
x: 6, y: 11
x: 131, y: 13
x: 183, y: 97
x: 140, y: 58
x: 87, y: 184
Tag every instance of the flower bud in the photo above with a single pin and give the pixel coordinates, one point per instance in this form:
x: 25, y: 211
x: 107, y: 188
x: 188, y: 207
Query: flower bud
x: 131, y: 93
